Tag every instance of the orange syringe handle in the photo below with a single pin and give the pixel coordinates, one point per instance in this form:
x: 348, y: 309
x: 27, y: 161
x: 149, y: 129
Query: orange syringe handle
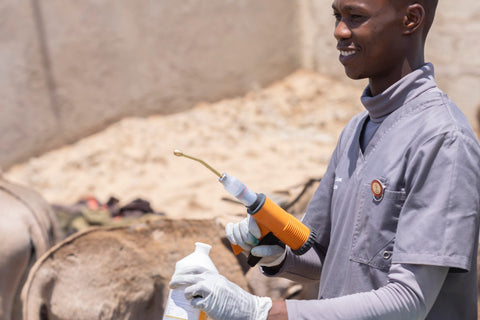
x: 270, y: 217
x: 282, y: 224
x: 236, y: 248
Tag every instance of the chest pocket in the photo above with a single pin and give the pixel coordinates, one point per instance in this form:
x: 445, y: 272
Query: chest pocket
x: 375, y: 228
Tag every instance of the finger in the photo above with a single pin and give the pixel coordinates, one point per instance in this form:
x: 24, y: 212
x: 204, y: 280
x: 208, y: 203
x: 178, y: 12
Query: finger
x: 202, y: 296
x: 196, y: 291
x: 182, y: 281
x: 247, y: 236
x: 253, y: 228
x: 184, y: 278
x: 198, y: 302
x: 267, y: 251
x: 191, y: 269
x: 237, y: 234
x: 229, y: 233
x: 244, y: 238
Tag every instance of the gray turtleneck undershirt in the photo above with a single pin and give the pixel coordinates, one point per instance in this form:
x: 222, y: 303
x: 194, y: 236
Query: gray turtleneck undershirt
x: 379, y: 107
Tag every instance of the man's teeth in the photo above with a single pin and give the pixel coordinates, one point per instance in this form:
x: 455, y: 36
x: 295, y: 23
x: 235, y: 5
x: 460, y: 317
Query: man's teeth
x: 346, y: 53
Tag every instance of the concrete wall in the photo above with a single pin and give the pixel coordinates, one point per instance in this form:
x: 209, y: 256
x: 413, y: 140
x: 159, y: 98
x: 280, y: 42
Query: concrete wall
x: 69, y: 68
x: 455, y: 50
x: 452, y: 47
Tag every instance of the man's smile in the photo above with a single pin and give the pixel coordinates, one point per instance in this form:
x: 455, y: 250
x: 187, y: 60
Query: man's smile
x: 346, y: 53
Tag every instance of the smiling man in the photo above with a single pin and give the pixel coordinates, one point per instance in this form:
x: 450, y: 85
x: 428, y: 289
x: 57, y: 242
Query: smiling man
x: 376, y: 41
x: 397, y: 211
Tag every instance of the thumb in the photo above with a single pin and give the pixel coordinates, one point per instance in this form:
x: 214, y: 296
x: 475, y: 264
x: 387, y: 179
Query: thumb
x: 267, y: 251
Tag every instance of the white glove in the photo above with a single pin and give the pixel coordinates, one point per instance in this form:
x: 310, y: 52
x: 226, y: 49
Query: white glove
x: 271, y: 255
x: 246, y: 234
x: 219, y: 298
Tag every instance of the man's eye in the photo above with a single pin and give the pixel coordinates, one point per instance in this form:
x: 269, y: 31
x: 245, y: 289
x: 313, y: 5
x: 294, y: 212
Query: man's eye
x: 337, y: 16
x: 357, y: 18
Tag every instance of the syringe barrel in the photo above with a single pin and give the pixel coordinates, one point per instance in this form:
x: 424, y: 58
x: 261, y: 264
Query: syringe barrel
x: 282, y: 224
x: 237, y: 189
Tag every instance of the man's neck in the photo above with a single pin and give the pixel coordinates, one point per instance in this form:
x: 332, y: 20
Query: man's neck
x: 379, y: 84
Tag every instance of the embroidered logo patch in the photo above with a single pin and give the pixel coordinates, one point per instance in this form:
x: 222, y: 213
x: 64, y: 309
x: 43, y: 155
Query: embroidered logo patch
x: 378, y: 189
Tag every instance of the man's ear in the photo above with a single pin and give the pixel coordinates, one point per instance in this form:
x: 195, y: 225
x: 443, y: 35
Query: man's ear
x: 414, y: 18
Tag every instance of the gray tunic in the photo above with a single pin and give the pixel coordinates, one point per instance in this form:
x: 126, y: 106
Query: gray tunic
x: 426, y: 158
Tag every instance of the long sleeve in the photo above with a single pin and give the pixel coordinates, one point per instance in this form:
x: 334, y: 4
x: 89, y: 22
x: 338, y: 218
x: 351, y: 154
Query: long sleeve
x: 409, y: 294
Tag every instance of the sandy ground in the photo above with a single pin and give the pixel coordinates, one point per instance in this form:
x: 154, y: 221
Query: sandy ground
x: 272, y: 139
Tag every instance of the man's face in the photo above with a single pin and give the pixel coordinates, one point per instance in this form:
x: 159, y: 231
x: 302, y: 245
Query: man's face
x: 369, y: 34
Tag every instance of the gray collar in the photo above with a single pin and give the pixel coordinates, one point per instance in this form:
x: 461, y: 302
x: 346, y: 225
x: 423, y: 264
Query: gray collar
x: 404, y: 90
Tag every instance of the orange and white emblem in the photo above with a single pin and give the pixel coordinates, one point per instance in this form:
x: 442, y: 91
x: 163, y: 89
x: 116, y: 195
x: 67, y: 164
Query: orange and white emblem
x: 378, y: 189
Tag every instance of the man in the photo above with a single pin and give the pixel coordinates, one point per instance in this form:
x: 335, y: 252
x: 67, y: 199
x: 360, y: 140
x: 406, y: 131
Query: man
x: 397, y: 212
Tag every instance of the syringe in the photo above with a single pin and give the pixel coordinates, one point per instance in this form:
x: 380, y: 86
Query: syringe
x: 270, y: 217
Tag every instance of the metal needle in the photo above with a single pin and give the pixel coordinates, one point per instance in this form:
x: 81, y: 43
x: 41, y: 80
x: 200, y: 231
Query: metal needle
x: 179, y: 153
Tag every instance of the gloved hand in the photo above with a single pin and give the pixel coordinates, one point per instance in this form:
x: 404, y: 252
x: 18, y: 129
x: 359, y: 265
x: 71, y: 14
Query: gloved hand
x: 246, y: 234
x: 219, y: 298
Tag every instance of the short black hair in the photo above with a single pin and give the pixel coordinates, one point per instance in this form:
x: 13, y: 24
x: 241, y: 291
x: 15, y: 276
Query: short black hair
x: 430, y: 7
